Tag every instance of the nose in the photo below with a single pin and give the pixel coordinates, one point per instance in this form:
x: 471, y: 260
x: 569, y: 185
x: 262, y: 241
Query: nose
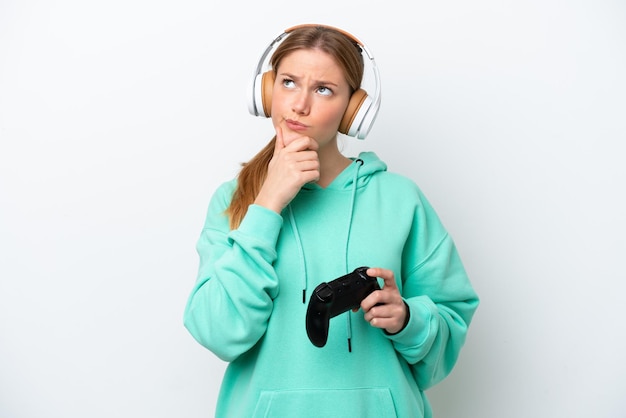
x: 301, y: 103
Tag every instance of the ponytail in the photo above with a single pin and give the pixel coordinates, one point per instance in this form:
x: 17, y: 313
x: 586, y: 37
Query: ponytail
x: 250, y: 180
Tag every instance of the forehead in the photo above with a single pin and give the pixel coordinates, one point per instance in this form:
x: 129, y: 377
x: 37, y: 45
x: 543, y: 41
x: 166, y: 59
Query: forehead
x: 314, y: 61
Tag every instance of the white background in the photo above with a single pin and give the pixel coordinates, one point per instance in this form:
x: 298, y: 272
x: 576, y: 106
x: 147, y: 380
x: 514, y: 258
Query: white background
x: 118, y: 120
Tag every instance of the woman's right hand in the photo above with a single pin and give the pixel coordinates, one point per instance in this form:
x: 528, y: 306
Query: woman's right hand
x: 295, y: 163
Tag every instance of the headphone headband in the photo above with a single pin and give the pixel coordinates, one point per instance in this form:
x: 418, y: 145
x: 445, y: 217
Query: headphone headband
x: 315, y: 25
x: 362, y: 109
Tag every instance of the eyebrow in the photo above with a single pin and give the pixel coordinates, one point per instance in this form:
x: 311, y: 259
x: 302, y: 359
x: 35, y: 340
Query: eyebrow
x: 322, y: 82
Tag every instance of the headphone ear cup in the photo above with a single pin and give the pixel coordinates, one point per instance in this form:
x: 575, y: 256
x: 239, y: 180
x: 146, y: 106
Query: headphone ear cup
x: 355, y: 112
x: 267, y: 87
x: 260, y: 96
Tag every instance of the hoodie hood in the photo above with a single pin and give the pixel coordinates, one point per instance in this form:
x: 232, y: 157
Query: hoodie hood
x: 355, y: 175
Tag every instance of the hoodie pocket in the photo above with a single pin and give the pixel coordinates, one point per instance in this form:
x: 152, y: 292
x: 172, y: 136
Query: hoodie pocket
x: 338, y: 403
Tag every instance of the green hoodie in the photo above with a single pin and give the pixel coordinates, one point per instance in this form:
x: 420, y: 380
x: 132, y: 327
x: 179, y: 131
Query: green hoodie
x: 248, y: 308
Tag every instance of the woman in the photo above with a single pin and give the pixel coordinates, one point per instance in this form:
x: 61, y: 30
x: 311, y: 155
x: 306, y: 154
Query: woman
x: 301, y: 213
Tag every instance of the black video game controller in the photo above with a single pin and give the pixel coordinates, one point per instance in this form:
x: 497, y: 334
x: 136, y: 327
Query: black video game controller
x: 336, y: 297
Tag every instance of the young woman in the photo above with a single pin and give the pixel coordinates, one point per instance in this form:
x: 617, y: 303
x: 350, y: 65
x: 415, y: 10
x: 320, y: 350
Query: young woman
x: 301, y: 213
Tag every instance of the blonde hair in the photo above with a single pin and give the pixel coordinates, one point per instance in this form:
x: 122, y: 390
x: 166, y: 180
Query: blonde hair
x: 346, y: 53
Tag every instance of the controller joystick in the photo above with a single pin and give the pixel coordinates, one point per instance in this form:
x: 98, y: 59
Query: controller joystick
x: 330, y: 299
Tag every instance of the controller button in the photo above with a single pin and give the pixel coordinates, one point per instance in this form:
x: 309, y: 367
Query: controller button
x: 325, y: 293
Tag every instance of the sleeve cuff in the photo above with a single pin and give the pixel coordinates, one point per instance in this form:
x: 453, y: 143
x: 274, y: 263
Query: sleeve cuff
x: 417, y: 330
x: 263, y: 223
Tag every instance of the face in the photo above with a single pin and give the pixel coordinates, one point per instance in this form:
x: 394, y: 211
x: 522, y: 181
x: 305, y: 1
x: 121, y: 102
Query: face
x: 310, y: 96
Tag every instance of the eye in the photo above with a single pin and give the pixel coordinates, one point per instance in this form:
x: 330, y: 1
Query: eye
x: 289, y: 83
x: 324, y: 91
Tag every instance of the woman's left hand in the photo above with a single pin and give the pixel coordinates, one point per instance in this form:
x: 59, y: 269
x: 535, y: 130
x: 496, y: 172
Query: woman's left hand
x: 385, y: 308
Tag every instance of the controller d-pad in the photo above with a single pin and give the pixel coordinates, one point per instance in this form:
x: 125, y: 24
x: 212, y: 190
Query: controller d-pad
x: 324, y: 293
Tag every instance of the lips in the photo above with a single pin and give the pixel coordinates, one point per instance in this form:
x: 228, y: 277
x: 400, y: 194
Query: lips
x: 295, y: 125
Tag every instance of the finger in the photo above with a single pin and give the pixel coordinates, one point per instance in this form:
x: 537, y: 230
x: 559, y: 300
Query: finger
x: 312, y: 144
x: 288, y: 136
x: 371, y: 301
x: 383, y: 323
x: 302, y: 143
x: 388, y: 317
x: 387, y: 276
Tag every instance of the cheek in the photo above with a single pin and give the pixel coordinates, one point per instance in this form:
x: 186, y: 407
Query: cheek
x: 332, y: 118
x: 275, y: 107
x: 276, y: 111
x: 275, y: 119
x: 336, y: 113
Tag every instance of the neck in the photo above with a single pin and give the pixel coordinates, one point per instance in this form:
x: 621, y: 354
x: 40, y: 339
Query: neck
x: 332, y: 163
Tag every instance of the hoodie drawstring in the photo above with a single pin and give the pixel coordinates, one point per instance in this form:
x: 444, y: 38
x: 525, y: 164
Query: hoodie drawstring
x: 296, y: 234
x: 350, y: 215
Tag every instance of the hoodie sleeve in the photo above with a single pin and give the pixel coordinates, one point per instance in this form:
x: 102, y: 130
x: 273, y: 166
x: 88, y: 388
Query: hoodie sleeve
x: 440, y: 298
x: 232, y: 300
